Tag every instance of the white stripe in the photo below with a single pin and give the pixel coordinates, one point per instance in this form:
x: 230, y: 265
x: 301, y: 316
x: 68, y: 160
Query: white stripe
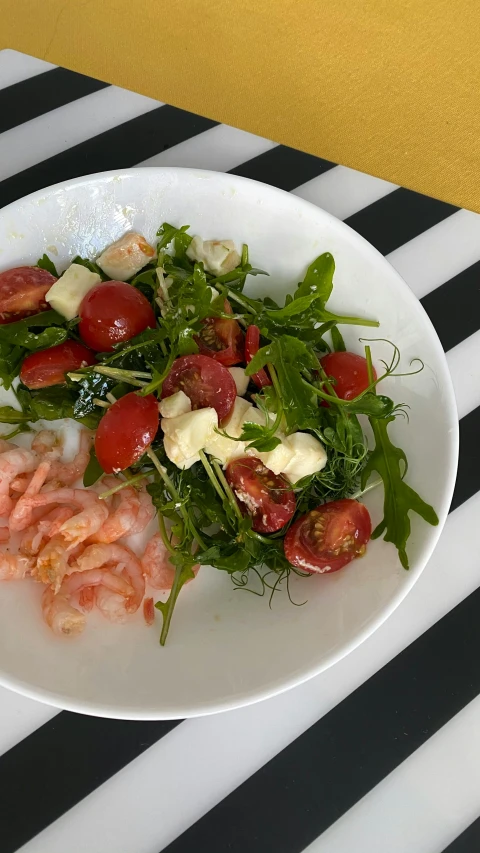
x: 439, y: 253
x: 342, y: 191
x: 19, y: 717
x: 464, y: 363
x: 424, y: 804
x: 204, y: 759
x: 15, y: 67
x: 59, y: 129
x: 221, y: 148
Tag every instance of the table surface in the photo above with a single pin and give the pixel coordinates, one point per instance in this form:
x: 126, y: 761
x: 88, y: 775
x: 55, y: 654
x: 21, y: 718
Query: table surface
x: 382, y: 751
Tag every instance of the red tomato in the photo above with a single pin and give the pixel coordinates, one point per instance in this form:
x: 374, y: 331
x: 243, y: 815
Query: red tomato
x: 252, y: 343
x: 205, y: 381
x: 222, y: 339
x: 267, y: 497
x: 22, y: 292
x: 329, y: 537
x: 349, y: 371
x: 113, y: 312
x: 126, y: 430
x: 49, y: 366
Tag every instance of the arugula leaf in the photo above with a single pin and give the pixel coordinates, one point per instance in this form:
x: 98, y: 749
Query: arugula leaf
x: 259, y: 437
x: 9, y: 415
x: 45, y: 263
x: 48, y: 404
x: 92, y: 266
x: 337, y: 340
x: 400, y: 498
x: 318, y: 279
x: 289, y: 356
x: 93, y: 471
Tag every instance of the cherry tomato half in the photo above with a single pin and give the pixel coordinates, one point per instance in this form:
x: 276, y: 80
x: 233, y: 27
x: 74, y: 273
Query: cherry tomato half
x: 126, y: 430
x: 329, y: 537
x: 349, y: 372
x: 205, y: 381
x: 22, y: 292
x: 267, y: 497
x: 113, y: 312
x: 222, y: 339
x: 49, y: 366
x: 252, y: 343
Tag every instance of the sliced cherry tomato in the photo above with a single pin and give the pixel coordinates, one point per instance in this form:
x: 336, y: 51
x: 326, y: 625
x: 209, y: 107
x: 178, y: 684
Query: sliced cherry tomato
x: 22, y: 292
x: 205, y: 381
x: 267, y: 497
x: 329, y: 537
x: 349, y: 372
x: 252, y: 343
x: 49, y: 366
x: 113, y: 312
x: 222, y: 339
x: 126, y: 430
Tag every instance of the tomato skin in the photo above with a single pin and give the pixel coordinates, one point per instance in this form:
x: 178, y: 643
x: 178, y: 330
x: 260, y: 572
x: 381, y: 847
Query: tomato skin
x: 267, y: 497
x: 113, y: 312
x: 328, y: 537
x: 22, y: 292
x: 349, y: 371
x: 49, y: 366
x: 222, y: 339
x: 252, y: 344
x: 126, y: 430
x: 205, y: 381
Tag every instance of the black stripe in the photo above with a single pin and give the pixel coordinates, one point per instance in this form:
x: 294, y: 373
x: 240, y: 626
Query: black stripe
x: 397, y: 218
x: 468, y: 476
x: 283, y: 167
x: 454, y: 308
x: 42, y: 93
x: 62, y: 762
x: 290, y: 801
x: 468, y: 841
x: 121, y: 147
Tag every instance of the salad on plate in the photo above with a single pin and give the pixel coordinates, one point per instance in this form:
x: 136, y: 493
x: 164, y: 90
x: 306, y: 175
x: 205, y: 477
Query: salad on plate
x: 214, y: 429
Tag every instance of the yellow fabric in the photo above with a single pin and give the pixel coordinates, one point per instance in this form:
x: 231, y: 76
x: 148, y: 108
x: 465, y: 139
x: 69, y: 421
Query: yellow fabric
x: 390, y: 87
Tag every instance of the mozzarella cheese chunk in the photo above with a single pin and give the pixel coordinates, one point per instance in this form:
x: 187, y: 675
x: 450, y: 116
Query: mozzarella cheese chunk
x: 67, y: 293
x: 224, y: 449
x: 217, y: 256
x: 185, y: 435
x: 308, y: 457
x: 126, y: 256
x: 176, y: 404
x: 240, y: 379
x: 278, y: 458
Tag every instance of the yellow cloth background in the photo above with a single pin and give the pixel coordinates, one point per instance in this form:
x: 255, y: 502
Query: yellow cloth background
x: 390, y: 88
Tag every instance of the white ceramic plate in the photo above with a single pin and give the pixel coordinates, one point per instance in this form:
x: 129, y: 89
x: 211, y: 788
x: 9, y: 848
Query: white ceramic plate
x: 226, y: 648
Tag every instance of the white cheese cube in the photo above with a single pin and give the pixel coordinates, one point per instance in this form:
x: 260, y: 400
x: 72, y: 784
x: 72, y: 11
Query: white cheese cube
x: 240, y: 379
x: 126, y: 256
x: 224, y: 449
x: 185, y: 435
x: 67, y: 293
x: 217, y: 256
x: 176, y: 404
x: 278, y: 458
x: 309, y: 456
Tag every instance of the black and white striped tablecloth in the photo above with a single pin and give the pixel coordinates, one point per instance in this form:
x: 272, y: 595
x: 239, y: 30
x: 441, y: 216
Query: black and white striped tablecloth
x: 381, y: 753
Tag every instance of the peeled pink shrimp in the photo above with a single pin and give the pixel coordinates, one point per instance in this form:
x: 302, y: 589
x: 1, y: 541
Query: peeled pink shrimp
x: 6, y: 445
x: 48, y: 443
x: 21, y: 515
x: 4, y: 534
x: 86, y: 598
x: 96, y: 556
x: 13, y: 462
x: 123, y: 518
x: 59, y: 614
x: 53, y: 561
x: 158, y: 569
x: 83, y: 524
x: 146, y: 512
x: 68, y: 472
x: 14, y: 566
x: 110, y: 604
x: 35, y: 536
